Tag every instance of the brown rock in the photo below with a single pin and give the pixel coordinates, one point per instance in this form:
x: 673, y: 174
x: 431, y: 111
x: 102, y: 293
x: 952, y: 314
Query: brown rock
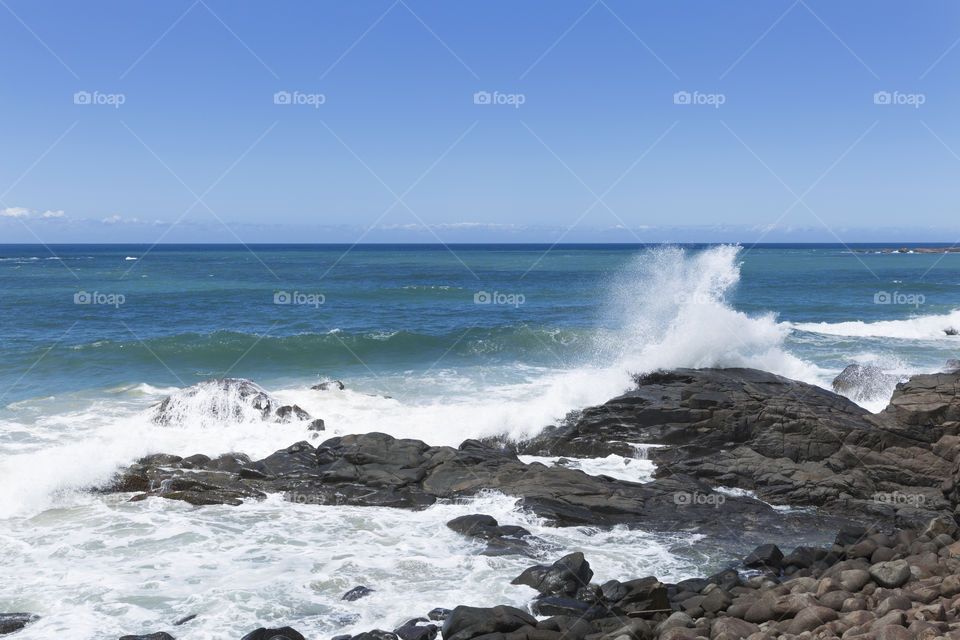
x: 810, y: 618
x: 894, y: 632
x: 731, y: 629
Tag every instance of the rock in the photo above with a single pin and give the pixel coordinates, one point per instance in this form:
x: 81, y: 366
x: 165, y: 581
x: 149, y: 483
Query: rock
x: 865, y: 382
x: 291, y: 413
x: 853, y: 579
x: 675, y: 619
x: 810, y: 618
x: 416, y: 632
x: 328, y: 386
x: 10, y: 622
x: 221, y: 399
x: 766, y: 556
x: 356, y: 593
x: 563, y: 577
x: 890, y: 574
x: 802, y: 557
x: 376, y: 634
x: 558, y: 606
x: 185, y: 620
x: 438, y: 614
x: 894, y: 632
x: 160, y: 635
x: 942, y: 525
x: 952, y: 366
x: 283, y: 633
x: 465, y: 623
x: 317, y: 425
x: 731, y: 629
x: 500, y: 539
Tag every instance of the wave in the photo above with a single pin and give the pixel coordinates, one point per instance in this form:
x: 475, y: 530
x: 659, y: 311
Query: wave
x: 669, y: 308
x: 932, y: 327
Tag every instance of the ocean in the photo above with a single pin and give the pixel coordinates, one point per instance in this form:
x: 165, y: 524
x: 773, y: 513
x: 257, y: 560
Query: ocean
x: 431, y: 342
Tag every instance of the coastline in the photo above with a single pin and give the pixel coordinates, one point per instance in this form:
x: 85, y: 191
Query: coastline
x: 742, y: 458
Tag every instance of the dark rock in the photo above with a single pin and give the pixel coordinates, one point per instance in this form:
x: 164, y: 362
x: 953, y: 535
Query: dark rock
x: 291, y: 413
x: 10, y: 622
x: 356, y: 593
x: 415, y: 632
x: 766, y: 556
x: 160, y: 635
x: 465, y: 623
x: 376, y: 634
x: 865, y: 382
x: 317, y: 425
x: 558, y: 606
x: 327, y: 386
x: 564, y: 577
x: 184, y: 620
x: 220, y: 398
x: 438, y: 614
x: 283, y: 633
x: 500, y: 540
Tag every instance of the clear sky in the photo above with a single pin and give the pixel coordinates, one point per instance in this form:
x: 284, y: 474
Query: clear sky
x: 142, y: 121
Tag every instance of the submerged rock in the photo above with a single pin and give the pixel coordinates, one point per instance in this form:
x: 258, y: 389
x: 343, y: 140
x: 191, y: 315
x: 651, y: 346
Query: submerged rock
x: 160, y: 635
x: 865, y: 382
x: 563, y: 578
x: 10, y: 622
x: 356, y: 593
x: 501, y: 540
x: 328, y: 386
x: 222, y: 399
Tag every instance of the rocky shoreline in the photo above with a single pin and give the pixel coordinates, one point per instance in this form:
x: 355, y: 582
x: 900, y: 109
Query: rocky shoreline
x: 742, y: 457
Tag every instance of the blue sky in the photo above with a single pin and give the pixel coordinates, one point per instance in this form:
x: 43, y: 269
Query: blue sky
x: 400, y: 150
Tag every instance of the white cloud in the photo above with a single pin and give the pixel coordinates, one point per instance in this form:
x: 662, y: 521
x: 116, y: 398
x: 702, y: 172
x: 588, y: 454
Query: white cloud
x: 25, y: 213
x: 120, y: 220
x: 15, y: 212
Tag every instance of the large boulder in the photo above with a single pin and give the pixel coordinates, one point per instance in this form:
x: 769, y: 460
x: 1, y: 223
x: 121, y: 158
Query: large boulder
x: 217, y: 400
x: 865, y: 382
x: 10, y: 622
x: 465, y: 623
x: 564, y: 577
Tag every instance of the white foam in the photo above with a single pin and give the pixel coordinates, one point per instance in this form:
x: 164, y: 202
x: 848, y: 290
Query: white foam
x: 930, y: 327
x: 136, y: 567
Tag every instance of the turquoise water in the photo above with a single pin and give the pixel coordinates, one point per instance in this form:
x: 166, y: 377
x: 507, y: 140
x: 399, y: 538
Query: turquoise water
x: 191, y: 312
